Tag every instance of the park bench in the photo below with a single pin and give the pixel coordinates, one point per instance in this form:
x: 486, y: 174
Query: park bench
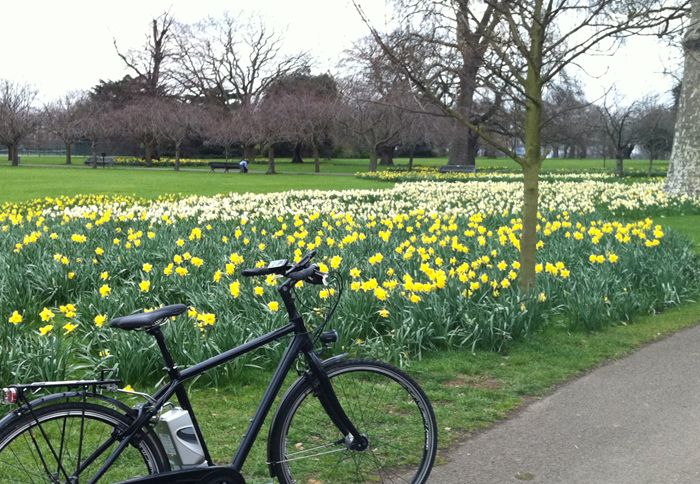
x: 223, y: 165
x: 101, y: 160
x: 457, y: 169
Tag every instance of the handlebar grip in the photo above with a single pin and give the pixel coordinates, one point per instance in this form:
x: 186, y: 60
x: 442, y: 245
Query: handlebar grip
x: 304, y: 273
x: 261, y: 271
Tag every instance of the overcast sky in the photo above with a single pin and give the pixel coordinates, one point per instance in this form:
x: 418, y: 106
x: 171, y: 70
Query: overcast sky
x: 59, y: 46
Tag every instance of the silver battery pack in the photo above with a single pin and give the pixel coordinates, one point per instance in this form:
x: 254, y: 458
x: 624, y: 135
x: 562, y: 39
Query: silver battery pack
x: 176, y: 433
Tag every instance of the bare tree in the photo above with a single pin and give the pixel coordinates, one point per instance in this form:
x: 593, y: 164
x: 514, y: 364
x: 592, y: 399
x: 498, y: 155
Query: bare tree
x: 220, y: 128
x: 63, y: 120
x: 230, y: 63
x: 684, y: 170
x: 455, y: 40
x: 141, y: 120
x: 533, y: 43
x: 618, y: 121
x: 178, y: 122
x: 17, y: 117
x: 654, y: 129
x: 150, y: 63
x: 95, y: 124
x: 309, y: 119
x: 569, y: 120
x: 371, y: 120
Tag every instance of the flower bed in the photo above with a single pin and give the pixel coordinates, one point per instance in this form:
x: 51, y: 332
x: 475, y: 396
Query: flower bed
x: 432, y: 174
x: 426, y: 265
x: 161, y: 162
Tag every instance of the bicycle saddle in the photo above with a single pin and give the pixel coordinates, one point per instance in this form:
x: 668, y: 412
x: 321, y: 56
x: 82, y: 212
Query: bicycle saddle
x: 147, y: 320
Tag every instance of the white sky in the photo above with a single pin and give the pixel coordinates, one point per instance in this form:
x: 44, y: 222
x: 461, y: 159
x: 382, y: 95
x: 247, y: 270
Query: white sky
x: 63, y: 45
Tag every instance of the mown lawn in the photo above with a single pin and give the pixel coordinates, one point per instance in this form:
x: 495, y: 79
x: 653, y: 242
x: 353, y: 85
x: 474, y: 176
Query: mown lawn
x: 27, y: 182
x: 353, y: 165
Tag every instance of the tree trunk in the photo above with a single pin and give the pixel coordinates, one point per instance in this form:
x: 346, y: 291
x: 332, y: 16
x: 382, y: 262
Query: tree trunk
x: 555, y: 151
x: 684, y: 170
x: 410, y: 157
x: 296, y: 155
x: 249, y: 152
x: 619, y: 162
x: 533, y: 156
x: 386, y: 153
x: 14, y: 154
x: 93, y: 149
x: 271, y: 160
x: 148, y: 153
x: 651, y: 161
x: 177, y: 156
x: 472, y: 149
x: 317, y: 158
x: 459, y: 147
x: 373, y: 160
x: 69, y: 153
x: 528, y: 237
x: 226, y: 152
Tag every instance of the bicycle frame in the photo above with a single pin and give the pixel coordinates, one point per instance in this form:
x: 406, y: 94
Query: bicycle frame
x: 301, y: 344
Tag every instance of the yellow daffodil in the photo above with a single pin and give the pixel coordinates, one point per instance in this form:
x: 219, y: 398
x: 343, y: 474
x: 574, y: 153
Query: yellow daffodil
x: 105, y: 290
x: 46, y: 314
x: 15, y: 318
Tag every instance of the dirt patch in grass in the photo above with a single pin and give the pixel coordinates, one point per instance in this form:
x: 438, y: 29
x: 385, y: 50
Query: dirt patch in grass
x: 481, y: 382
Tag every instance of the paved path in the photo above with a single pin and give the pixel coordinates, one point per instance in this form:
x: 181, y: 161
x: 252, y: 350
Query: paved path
x: 636, y: 421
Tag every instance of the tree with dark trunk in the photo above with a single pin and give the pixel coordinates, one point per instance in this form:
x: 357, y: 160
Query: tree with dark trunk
x: 684, y: 170
x: 17, y: 117
x: 63, y: 120
x: 151, y: 62
x: 141, y: 121
x: 618, y: 121
x: 178, y: 122
x: 374, y: 124
x: 95, y: 124
x: 654, y: 129
x: 456, y: 39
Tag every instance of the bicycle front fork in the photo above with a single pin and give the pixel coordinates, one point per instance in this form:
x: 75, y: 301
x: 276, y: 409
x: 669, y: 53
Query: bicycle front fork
x: 323, y: 390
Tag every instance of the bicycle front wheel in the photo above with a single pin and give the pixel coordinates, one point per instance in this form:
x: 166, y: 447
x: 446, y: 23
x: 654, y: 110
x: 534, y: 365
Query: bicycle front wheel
x: 69, y: 442
x: 386, y: 406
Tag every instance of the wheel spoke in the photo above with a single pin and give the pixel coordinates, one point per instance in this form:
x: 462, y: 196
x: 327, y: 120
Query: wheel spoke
x: 76, y: 435
x: 379, y: 401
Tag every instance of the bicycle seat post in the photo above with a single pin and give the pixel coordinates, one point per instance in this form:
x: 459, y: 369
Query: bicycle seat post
x: 170, y: 365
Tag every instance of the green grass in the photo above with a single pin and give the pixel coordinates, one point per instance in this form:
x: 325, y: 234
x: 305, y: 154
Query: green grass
x: 688, y: 225
x: 351, y: 165
x: 28, y: 182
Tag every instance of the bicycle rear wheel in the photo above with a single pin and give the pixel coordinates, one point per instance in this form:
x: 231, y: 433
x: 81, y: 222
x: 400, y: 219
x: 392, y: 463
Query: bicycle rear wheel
x: 51, y: 443
x: 387, y: 407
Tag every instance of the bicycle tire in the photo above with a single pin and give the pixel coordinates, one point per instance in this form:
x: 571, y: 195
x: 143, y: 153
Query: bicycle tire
x: 44, y: 445
x: 398, y: 421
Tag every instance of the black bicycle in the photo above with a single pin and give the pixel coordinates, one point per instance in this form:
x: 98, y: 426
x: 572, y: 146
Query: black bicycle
x: 343, y: 420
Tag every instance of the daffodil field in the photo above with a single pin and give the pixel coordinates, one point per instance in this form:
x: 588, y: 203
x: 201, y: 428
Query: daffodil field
x: 425, y: 265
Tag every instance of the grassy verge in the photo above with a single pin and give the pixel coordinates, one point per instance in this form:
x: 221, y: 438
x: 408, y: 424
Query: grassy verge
x: 353, y: 165
x: 27, y: 182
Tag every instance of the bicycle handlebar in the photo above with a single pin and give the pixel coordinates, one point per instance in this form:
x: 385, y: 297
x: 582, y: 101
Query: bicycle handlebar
x: 301, y: 271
